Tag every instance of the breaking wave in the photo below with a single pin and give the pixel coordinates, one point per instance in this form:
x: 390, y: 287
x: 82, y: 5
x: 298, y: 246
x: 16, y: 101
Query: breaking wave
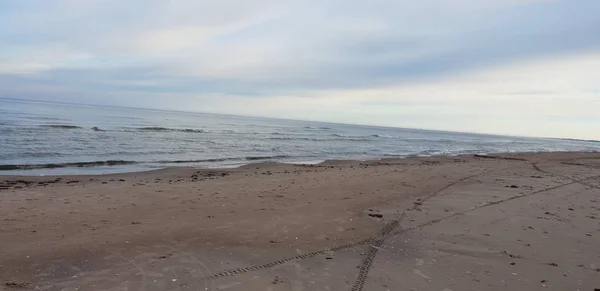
x: 166, y: 129
x: 61, y: 126
x: 318, y: 139
x: 65, y: 165
x: 11, y: 167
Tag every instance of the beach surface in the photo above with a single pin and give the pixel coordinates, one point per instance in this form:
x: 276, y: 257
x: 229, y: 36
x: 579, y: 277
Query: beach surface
x: 498, y: 222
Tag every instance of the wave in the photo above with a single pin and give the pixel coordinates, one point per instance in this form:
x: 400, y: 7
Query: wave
x: 66, y: 165
x: 364, y: 136
x: 44, y: 118
x: 196, y: 161
x: 248, y: 158
x: 575, y: 139
x: 425, y: 153
x: 396, y: 137
x: 128, y: 129
x: 395, y: 155
x: 319, y: 139
x: 258, y: 158
x: 166, y: 129
x: 169, y: 129
x: 433, y: 152
x: 355, y: 136
x: 153, y: 129
x: 13, y: 167
x: 376, y: 135
x: 159, y: 129
x: 61, y: 126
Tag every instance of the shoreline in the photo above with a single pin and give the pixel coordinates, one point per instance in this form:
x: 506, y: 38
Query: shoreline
x: 22, y: 170
x: 398, y: 222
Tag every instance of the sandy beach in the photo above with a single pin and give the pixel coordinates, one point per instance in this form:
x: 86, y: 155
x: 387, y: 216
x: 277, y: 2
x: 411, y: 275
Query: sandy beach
x: 498, y: 222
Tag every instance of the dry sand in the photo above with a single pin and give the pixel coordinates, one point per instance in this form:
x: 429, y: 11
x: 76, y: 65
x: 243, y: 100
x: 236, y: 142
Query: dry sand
x: 513, y: 222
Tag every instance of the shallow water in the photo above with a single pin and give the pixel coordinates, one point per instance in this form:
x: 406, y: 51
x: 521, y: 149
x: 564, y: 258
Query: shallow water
x: 46, y: 138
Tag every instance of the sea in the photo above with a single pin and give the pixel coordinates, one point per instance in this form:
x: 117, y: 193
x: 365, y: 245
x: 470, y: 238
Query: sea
x: 42, y: 138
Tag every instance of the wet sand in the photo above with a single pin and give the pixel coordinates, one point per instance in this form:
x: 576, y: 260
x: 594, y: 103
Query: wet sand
x: 512, y: 221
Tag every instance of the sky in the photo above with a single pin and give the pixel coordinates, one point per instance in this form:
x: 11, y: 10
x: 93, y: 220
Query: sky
x: 518, y: 67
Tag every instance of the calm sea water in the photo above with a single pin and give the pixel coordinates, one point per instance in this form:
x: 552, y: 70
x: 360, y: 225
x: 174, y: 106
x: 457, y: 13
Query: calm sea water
x: 44, y: 138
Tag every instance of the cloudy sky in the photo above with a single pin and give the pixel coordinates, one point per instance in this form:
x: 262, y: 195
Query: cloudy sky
x: 522, y: 67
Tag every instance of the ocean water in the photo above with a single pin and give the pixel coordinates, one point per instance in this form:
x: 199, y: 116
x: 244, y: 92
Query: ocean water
x: 46, y: 138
